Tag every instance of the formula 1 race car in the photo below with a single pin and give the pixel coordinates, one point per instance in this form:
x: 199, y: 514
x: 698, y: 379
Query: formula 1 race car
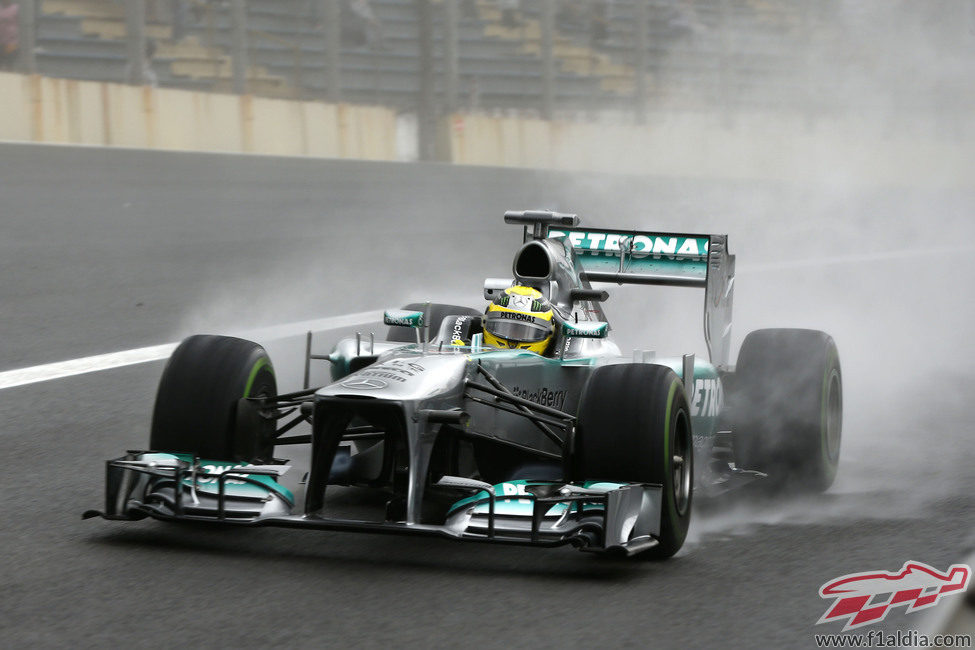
x: 521, y: 423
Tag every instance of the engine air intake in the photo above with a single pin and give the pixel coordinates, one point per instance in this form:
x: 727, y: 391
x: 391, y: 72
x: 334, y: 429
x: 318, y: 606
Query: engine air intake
x: 533, y: 262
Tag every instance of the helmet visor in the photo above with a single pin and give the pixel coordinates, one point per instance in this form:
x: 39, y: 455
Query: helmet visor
x: 518, y: 330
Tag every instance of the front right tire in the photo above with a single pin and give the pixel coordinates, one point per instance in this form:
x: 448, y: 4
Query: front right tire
x: 196, y: 404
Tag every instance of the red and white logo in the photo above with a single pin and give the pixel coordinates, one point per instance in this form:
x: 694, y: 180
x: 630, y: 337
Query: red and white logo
x: 865, y: 598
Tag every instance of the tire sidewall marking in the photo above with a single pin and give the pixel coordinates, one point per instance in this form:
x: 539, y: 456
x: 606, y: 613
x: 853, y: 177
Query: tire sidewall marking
x: 668, y: 461
x: 261, y: 363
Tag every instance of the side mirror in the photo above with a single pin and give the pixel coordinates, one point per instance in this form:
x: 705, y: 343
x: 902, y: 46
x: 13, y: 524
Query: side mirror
x: 586, y: 330
x: 494, y: 287
x: 403, y: 318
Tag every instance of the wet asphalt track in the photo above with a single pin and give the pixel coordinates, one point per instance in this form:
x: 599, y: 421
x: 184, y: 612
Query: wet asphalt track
x: 105, y: 251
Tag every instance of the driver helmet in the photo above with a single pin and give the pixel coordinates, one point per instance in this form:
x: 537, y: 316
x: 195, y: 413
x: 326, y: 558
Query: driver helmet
x: 520, y: 318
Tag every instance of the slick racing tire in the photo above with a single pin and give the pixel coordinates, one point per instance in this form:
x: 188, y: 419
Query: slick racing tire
x: 433, y: 315
x: 786, y: 401
x: 196, y: 404
x: 634, y: 425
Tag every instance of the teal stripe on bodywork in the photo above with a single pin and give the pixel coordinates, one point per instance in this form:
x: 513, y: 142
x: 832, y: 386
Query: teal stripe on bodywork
x: 515, y: 504
x: 690, y: 269
x: 211, y: 486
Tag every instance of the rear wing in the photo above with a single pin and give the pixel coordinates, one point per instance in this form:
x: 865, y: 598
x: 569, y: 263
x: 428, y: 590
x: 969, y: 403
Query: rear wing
x: 634, y: 257
x: 654, y: 258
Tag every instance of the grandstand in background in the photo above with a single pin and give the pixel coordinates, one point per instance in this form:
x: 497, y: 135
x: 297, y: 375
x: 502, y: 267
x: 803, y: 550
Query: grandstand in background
x: 696, y: 53
x: 759, y: 89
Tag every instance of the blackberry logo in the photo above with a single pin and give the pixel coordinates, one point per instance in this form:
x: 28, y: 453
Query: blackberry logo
x: 544, y: 396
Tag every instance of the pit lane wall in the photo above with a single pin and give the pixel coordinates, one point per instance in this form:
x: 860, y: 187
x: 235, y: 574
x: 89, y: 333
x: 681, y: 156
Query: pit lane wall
x: 41, y: 109
x: 863, y: 149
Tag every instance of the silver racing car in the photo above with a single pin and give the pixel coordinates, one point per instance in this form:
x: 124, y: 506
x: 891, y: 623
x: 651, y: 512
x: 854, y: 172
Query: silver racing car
x: 519, y: 423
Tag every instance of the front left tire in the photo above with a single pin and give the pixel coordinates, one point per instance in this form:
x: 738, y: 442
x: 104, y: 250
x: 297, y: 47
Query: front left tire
x: 634, y: 426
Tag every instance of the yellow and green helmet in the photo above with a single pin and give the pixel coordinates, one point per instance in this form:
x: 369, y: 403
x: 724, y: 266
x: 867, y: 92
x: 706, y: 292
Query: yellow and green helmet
x: 520, y: 318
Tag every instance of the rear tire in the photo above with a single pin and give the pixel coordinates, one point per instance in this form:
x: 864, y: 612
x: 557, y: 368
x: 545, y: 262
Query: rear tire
x: 433, y: 315
x: 634, y: 425
x: 786, y: 398
x: 196, y: 404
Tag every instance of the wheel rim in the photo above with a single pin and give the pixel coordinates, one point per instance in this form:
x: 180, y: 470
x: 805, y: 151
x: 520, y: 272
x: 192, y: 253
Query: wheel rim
x: 682, y: 465
x: 834, y: 416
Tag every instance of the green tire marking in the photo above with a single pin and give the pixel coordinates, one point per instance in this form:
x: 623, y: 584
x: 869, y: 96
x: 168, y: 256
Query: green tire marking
x: 668, y: 461
x: 263, y: 361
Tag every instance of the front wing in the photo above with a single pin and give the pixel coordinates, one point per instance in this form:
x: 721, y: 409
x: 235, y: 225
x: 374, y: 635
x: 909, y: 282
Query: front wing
x: 605, y: 517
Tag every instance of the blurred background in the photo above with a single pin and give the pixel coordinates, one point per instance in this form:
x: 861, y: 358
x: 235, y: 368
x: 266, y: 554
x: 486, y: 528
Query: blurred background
x: 747, y: 88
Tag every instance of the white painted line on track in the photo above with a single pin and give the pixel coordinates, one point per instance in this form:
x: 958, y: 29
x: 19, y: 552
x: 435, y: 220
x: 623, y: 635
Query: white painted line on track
x: 72, y: 367
x: 61, y: 369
